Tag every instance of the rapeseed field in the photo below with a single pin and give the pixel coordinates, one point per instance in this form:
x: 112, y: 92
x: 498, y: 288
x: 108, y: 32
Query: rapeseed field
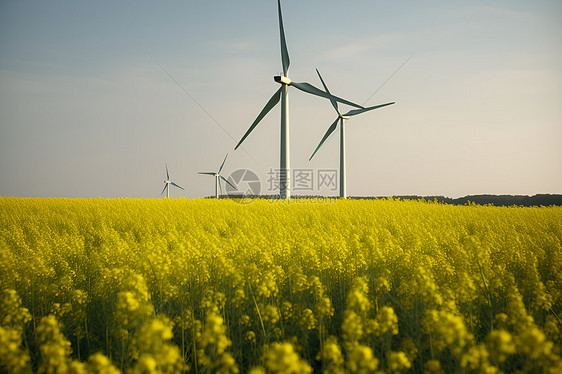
x: 334, y: 286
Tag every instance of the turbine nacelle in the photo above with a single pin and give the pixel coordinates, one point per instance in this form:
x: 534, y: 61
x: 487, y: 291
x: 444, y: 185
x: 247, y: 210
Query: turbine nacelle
x: 282, y: 79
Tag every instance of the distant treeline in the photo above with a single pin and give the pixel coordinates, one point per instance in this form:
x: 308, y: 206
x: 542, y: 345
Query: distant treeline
x: 497, y: 200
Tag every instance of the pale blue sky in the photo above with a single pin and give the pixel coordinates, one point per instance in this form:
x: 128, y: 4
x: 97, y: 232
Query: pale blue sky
x: 86, y: 112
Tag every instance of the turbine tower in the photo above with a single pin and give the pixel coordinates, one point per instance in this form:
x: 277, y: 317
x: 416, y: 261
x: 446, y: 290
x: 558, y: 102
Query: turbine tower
x: 167, y: 183
x: 282, y: 95
x: 341, y: 118
x: 218, y: 177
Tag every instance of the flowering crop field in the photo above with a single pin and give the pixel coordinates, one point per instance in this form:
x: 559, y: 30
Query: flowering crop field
x: 335, y: 286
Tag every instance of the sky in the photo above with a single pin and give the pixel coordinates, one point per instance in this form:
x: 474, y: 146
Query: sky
x: 97, y: 97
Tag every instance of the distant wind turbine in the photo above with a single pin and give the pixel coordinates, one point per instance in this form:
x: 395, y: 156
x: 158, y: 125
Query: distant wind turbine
x: 340, y: 119
x: 282, y: 95
x: 167, y: 183
x: 218, y: 177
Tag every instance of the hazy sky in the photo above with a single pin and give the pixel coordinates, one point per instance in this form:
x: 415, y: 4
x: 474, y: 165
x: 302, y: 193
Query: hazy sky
x: 85, y: 111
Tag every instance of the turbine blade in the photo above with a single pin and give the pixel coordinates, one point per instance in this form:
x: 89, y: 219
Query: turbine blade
x: 359, y: 111
x: 165, y: 185
x: 328, y: 133
x: 167, y: 174
x: 209, y: 173
x: 220, y: 187
x: 334, y: 102
x: 307, y: 87
x: 223, y: 163
x: 226, y: 180
x: 172, y: 183
x: 284, y: 52
x: 270, y: 104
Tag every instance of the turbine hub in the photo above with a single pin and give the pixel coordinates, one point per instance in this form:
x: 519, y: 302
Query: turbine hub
x: 344, y: 117
x: 281, y: 79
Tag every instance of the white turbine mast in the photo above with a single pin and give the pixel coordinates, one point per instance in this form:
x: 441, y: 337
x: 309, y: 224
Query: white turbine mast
x: 282, y: 95
x: 218, y: 177
x: 167, y: 184
x: 341, y: 119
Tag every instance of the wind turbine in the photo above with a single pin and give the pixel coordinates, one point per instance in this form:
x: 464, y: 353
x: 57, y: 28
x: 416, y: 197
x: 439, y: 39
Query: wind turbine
x: 167, y: 183
x: 218, y: 177
x: 282, y: 95
x: 341, y: 118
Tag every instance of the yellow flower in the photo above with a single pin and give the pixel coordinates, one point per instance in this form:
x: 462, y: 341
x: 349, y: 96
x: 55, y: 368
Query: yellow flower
x: 12, y: 356
x: 500, y: 344
x: 270, y: 314
x: 250, y: 336
x: 98, y: 363
x: 55, y: 349
x: 151, y: 344
x: 12, y: 314
x: 477, y: 358
x: 533, y: 342
x: 433, y: 367
x: 352, y: 327
x: 398, y: 361
x: 446, y: 329
x: 308, y: 320
x: 360, y: 360
x: 332, y: 356
x: 324, y: 307
x: 245, y: 320
x: 281, y: 358
x: 357, y: 298
x: 387, y: 321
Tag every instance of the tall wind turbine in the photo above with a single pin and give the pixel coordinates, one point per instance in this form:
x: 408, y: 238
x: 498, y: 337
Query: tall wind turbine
x: 341, y: 118
x: 167, y: 183
x: 282, y: 95
x: 218, y: 177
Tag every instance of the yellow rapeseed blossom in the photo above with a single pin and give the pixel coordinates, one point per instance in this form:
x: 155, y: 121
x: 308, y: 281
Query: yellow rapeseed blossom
x: 398, y: 361
x: 357, y: 298
x: 251, y: 336
x: 433, y: 367
x: 477, y: 358
x: 352, y: 328
x: 205, y: 285
x: 500, y: 344
x: 270, y: 314
x: 281, y: 358
x: 533, y: 343
x: 214, y: 342
x: 308, y: 320
x: 387, y: 321
x: 99, y: 363
x: 12, y: 314
x: 360, y: 360
x: 331, y: 357
x: 55, y: 349
x: 446, y: 330
x: 13, y: 356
